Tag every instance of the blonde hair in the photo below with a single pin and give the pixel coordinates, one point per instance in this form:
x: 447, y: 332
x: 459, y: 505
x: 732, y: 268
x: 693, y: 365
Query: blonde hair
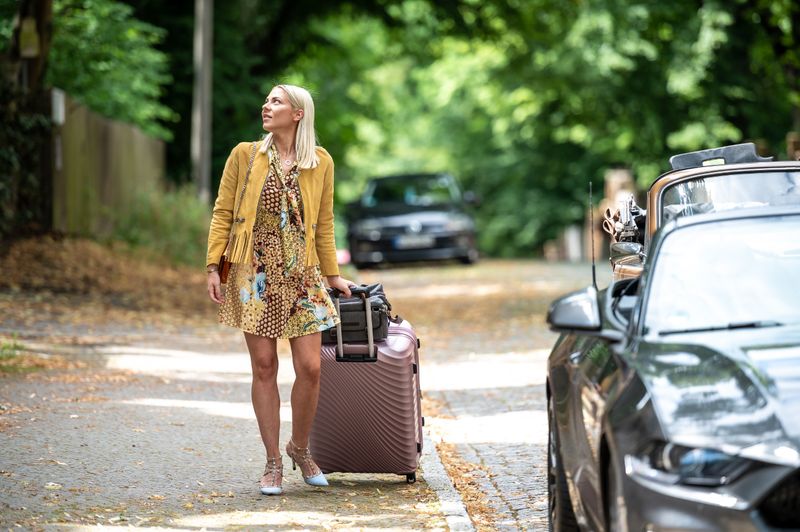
x: 305, y: 140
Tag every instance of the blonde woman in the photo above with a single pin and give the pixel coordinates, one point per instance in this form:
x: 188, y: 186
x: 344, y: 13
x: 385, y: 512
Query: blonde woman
x: 273, y: 218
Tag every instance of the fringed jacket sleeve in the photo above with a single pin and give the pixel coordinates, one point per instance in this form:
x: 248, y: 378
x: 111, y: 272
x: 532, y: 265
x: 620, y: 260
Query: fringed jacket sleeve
x: 222, y: 215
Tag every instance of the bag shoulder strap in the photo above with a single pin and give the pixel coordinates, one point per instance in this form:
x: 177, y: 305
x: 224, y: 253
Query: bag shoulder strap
x: 246, y: 179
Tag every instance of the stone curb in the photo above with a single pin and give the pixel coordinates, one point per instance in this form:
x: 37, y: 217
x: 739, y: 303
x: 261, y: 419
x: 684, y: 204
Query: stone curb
x: 437, y: 478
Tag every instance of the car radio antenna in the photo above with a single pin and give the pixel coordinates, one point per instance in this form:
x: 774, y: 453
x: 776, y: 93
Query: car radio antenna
x: 591, y: 230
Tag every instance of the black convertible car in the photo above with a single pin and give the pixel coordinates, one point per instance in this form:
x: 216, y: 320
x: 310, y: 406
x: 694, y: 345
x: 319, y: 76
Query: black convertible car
x: 674, y: 398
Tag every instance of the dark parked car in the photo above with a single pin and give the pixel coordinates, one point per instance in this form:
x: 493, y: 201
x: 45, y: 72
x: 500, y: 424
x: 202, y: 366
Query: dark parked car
x: 410, y: 218
x: 674, y: 397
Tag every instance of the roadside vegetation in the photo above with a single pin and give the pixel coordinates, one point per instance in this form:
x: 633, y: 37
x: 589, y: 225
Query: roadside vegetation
x: 9, y: 356
x: 169, y: 226
x: 525, y: 102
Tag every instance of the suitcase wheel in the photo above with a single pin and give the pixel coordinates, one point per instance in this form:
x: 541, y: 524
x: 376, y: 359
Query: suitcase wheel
x: 411, y: 478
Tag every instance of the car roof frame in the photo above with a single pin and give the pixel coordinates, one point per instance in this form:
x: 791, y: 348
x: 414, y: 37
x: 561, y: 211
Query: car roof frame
x: 672, y: 177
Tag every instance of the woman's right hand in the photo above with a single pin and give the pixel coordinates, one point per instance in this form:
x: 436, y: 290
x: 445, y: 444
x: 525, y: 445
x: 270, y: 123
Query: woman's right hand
x: 214, y: 288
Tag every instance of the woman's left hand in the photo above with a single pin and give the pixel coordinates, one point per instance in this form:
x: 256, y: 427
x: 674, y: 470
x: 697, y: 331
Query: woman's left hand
x: 341, y: 284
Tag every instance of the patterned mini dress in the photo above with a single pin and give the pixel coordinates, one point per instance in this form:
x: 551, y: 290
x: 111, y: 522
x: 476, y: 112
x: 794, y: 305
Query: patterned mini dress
x: 277, y: 295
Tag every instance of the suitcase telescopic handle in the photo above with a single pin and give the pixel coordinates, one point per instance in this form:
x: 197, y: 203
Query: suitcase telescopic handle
x: 368, y: 311
x: 371, y: 354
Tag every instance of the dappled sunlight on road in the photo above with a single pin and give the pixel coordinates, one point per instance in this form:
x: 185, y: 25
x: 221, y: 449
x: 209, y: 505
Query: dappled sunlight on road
x: 189, y: 365
x: 485, y: 371
x: 506, y: 428
x: 452, y: 289
x: 213, y: 408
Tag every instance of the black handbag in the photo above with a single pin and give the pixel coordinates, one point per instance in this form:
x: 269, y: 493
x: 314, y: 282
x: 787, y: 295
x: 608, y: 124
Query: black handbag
x: 353, y: 315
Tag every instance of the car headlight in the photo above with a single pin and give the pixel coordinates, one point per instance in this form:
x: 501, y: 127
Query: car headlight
x: 460, y: 223
x: 677, y: 464
x: 367, y: 226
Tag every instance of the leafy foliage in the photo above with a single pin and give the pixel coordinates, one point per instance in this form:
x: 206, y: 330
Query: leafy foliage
x: 108, y: 60
x: 530, y: 111
x: 8, y: 9
x: 171, y: 225
x: 524, y: 101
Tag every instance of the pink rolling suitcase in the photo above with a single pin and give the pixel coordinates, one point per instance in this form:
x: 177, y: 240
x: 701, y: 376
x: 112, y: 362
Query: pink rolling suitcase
x: 369, y: 418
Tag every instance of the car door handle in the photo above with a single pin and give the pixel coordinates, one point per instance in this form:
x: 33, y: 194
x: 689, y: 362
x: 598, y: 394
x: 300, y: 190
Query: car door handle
x: 575, y: 357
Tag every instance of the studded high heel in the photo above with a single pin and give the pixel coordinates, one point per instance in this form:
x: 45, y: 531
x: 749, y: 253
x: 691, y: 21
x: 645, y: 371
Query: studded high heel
x: 272, y: 480
x: 301, y: 455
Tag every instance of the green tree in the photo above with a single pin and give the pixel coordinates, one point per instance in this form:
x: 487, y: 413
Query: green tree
x: 524, y: 101
x: 534, y: 101
x: 255, y: 42
x: 108, y: 60
x: 8, y: 8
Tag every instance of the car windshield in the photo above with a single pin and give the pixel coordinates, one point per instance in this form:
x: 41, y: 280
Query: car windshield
x: 412, y: 190
x: 729, y: 191
x: 726, y: 275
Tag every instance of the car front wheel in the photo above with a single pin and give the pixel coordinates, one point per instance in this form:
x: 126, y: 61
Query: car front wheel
x: 561, y: 517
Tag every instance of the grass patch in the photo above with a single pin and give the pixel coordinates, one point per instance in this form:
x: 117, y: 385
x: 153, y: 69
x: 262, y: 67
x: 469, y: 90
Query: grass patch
x: 16, y: 358
x: 11, y: 360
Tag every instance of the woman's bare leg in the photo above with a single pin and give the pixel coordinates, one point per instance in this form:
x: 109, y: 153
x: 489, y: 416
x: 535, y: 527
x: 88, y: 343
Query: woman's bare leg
x: 305, y: 392
x: 264, y: 390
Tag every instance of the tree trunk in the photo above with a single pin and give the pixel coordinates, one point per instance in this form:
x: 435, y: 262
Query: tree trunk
x: 25, y: 129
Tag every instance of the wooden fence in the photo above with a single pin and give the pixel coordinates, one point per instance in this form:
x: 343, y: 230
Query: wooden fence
x: 99, y: 165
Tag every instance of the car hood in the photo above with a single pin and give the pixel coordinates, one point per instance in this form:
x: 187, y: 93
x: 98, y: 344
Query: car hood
x: 388, y: 210
x: 738, y: 391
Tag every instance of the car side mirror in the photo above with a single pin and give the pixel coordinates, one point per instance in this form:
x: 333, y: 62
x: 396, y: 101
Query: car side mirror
x: 579, y: 313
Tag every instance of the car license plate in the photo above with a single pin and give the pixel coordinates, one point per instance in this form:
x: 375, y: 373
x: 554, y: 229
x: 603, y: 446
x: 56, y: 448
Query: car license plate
x: 413, y: 241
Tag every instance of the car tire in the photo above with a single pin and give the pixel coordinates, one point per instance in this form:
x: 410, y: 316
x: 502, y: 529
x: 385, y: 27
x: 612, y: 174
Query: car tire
x: 561, y: 517
x: 615, y: 509
x: 470, y: 258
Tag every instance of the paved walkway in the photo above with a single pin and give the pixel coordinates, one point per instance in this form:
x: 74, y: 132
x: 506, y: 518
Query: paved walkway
x: 495, y: 413
x: 162, y: 436
x: 486, y: 371
x: 159, y: 431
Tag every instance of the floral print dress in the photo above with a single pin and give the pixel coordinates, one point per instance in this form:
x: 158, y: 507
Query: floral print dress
x: 277, y: 295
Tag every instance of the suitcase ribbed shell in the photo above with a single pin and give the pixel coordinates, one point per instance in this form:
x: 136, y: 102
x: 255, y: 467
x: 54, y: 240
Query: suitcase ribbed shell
x: 368, y: 419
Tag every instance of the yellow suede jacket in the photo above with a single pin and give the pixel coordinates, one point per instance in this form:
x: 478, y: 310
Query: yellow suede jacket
x: 316, y: 189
